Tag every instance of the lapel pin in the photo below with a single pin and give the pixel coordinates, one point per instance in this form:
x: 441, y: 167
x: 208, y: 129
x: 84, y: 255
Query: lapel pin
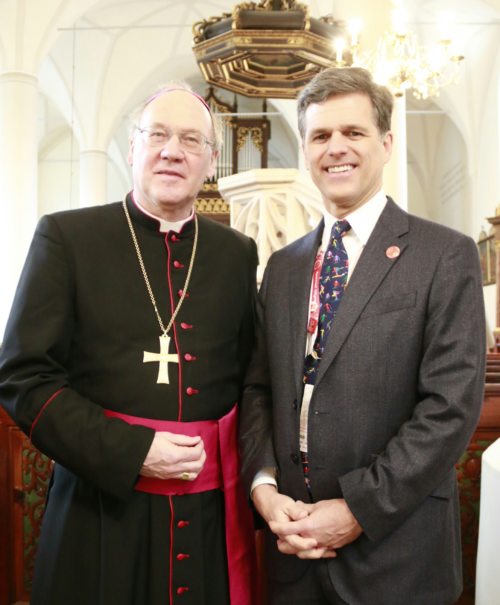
x: 392, y: 252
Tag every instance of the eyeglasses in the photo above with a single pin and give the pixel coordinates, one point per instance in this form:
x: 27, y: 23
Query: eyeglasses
x: 189, y: 140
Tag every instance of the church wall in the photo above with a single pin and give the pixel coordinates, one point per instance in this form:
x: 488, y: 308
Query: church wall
x: 451, y: 181
x: 420, y: 132
x: 484, y: 154
x: 439, y: 187
x: 417, y: 198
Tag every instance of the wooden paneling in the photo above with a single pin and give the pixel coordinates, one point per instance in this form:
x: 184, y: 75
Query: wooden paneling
x: 25, y: 476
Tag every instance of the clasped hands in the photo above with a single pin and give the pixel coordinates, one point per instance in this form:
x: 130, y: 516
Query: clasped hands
x: 309, y: 531
x: 174, y: 456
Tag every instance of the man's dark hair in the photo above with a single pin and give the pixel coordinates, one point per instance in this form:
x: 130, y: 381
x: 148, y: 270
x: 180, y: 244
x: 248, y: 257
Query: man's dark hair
x: 335, y: 81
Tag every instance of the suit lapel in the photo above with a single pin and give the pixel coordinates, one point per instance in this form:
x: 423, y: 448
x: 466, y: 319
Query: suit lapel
x: 372, y: 267
x: 299, y: 284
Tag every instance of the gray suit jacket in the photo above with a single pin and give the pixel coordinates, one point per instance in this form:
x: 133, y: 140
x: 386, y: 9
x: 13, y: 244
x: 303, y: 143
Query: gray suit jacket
x: 396, y: 400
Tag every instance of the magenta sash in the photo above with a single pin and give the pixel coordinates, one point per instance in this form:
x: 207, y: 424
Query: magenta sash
x: 221, y: 470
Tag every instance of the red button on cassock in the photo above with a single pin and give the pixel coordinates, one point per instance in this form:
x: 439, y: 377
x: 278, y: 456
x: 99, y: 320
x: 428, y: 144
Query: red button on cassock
x: 182, y: 589
x: 182, y: 524
x: 189, y: 357
x: 181, y: 556
x: 186, y: 326
x: 192, y: 391
x: 178, y: 265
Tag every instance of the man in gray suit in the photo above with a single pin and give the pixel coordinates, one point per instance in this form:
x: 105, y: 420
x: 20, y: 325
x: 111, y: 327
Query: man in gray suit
x: 360, y: 399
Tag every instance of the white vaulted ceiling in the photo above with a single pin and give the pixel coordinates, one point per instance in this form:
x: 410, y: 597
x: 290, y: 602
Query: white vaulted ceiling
x: 95, y: 59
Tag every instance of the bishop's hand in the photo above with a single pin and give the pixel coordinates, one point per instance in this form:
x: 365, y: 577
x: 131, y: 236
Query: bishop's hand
x: 174, y: 456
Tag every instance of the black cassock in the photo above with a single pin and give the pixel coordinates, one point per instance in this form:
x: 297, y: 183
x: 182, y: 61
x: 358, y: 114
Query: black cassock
x: 81, y: 321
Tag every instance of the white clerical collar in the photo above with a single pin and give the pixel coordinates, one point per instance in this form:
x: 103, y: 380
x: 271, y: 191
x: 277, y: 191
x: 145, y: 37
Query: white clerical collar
x: 363, y: 219
x: 166, y: 225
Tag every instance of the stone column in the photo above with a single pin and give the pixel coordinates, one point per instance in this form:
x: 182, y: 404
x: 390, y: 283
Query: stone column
x: 93, y: 177
x: 396, y: 171
x: 18, y: 178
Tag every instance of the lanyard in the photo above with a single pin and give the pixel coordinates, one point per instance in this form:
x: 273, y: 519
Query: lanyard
x: 312, y: 324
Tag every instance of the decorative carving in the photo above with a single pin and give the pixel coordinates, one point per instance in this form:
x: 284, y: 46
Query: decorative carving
x: 36, y: 471
x: 273, y: 206
x: 209, y: 186
x: 266, y: 49
x: 267, y: 5
x: 199, y: 27
x: 488, y: 250
x: 256, y: 135
x: 212, y: 206
x: 283, y: 5
x: 270, y: 5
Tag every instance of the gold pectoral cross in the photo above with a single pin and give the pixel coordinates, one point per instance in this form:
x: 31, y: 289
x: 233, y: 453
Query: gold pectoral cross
x: 164, y: 357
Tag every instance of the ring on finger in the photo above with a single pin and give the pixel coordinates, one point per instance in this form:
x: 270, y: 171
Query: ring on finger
x: 185, y: 476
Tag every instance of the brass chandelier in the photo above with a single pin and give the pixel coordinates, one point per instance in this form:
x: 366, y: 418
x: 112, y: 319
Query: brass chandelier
x: 401, y: 63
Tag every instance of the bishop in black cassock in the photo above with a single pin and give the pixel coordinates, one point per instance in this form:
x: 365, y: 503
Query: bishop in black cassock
x: 75, y: 345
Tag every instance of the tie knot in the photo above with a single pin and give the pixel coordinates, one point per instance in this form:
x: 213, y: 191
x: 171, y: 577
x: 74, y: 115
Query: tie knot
x: 339, y: 228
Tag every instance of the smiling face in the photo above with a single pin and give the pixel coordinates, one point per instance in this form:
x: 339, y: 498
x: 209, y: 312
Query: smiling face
x: 166, y: 179
x: 344, y: 151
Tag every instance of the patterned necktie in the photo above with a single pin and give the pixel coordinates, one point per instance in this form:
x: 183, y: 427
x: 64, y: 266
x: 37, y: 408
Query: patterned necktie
x: 332, y: 283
